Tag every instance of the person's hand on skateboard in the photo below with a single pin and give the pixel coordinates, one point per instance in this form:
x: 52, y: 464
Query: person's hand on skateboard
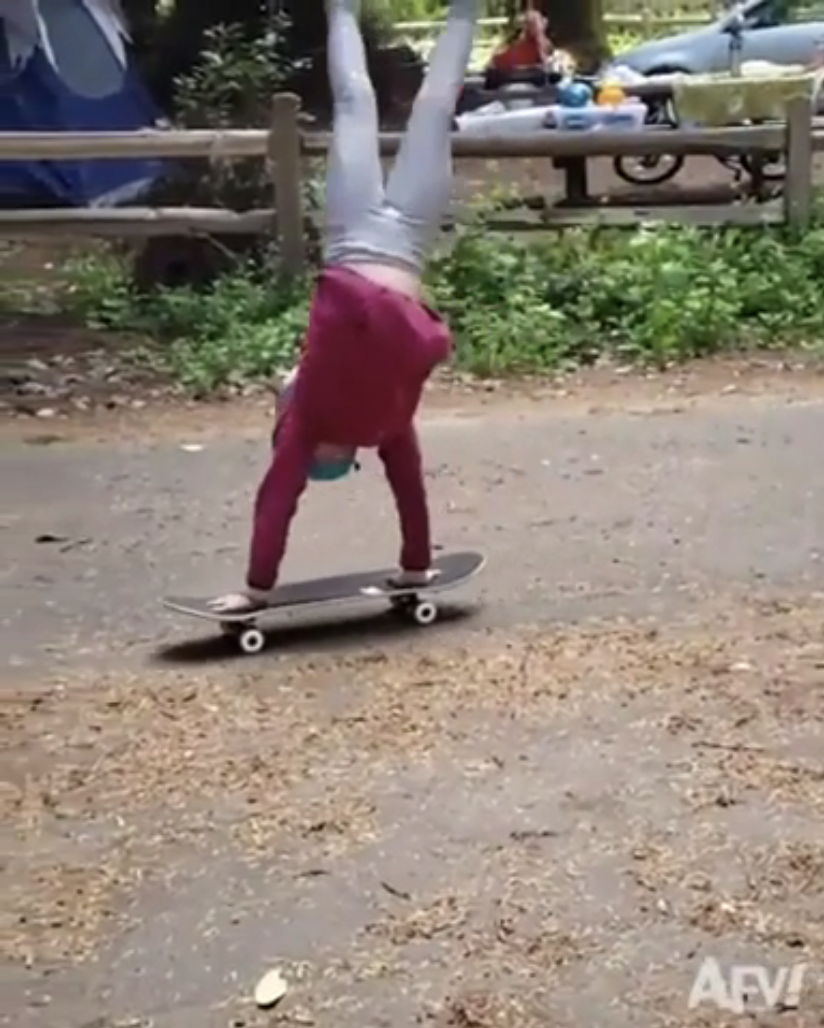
x: 239, y: 603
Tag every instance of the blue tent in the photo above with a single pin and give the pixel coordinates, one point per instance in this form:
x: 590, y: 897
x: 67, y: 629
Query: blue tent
x: 64, y: 67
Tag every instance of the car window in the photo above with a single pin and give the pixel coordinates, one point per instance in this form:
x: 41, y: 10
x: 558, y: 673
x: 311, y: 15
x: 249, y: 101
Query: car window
x: 765, y: 14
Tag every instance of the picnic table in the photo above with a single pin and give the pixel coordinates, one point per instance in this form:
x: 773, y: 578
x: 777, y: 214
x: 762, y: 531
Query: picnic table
x: 716, y: 100
x: 656, y: 93
x: 539, y: 88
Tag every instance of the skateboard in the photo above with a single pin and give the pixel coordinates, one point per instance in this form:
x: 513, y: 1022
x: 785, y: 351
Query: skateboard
x: 450, y: 569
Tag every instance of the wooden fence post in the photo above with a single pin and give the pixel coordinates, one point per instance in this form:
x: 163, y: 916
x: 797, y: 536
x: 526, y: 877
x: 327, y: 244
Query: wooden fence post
x: 647, y: 22
x: 798, y: 184
x: 285, y: 161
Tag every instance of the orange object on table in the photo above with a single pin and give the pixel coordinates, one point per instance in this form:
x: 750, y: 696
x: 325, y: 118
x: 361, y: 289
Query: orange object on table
x: 611, y: 95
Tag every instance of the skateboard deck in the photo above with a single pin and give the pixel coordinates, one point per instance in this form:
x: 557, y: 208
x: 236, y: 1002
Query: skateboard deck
x: 451, y: 569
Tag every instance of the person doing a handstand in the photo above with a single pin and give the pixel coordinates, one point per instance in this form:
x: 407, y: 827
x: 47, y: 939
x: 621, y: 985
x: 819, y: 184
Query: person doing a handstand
x: 372, y: 342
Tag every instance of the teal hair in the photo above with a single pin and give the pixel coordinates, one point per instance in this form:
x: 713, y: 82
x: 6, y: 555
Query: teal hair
x: 331, y: 469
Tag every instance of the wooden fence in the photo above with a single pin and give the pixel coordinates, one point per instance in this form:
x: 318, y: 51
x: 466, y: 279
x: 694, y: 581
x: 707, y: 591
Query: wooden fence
x: 705, y: 8
x: 646, y: 21
x: 647, y: 18
x: 285, y: 145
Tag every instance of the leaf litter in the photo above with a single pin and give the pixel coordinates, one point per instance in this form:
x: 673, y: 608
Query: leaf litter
x: 105, y: 776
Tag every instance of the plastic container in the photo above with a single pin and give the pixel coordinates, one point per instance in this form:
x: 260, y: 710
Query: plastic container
x: 629, y: 116
x: 502, y: 122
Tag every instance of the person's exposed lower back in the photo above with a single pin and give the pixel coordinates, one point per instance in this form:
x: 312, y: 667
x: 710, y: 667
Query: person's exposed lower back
x: 368, y: 355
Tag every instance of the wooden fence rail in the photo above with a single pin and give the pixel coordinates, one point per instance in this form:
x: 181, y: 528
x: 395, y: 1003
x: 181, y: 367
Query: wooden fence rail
x: 645, y: 21
x: 286, y: 146
x: 239, y: 143
x: 707, y: 8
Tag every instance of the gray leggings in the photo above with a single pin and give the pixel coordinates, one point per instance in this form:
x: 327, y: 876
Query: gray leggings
x: 399, y: 223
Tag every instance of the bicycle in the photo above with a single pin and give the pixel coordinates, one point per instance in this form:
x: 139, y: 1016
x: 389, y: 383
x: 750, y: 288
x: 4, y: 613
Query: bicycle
x: 656, y: 170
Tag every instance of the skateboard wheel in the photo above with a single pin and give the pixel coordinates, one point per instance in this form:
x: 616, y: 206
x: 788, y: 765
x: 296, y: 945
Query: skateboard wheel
x: 252, y: 640
x: 425, y: 613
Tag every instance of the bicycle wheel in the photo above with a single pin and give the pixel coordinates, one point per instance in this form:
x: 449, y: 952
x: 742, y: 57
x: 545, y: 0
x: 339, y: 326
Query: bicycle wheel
x: 647, y: 171
x: 773, y: 168
x: 651, y: 170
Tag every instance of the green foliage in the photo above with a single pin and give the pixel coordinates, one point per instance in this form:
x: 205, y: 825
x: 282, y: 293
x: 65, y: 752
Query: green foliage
x: 236, y: 77
x: 407, y: 10
x: 655, y: 295
x: 245, y: 328
x: 232, y: 85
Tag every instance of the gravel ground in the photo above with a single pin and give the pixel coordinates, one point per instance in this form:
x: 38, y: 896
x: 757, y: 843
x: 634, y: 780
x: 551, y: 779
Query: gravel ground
x: 604, y: 767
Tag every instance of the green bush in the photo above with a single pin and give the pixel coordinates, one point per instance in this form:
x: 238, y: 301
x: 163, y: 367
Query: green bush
x: 407, y: 10
x: 230, y: 86
x: 244, y: 328
x: 655, y: 295
x: 659, y: 294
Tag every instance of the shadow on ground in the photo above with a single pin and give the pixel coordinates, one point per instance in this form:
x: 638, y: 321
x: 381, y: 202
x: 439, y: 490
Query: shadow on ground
x: 322, y: 636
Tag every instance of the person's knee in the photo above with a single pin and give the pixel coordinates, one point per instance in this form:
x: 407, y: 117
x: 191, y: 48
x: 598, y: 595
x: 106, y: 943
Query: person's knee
x: 354, y: 93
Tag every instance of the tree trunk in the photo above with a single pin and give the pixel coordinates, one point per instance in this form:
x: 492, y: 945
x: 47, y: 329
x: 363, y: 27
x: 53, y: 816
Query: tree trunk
x: 579, y: 28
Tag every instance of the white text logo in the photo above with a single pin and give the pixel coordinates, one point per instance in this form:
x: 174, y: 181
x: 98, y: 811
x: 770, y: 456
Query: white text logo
x: 747, y: 988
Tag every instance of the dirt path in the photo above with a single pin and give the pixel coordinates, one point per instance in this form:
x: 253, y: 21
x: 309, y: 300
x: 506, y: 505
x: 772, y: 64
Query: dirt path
x: 603, y: 768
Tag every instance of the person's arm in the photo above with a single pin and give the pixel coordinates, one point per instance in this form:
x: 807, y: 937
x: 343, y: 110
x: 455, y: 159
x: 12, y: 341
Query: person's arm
x: 401, y: 456
x: 276, y: 503
x: 545, y: 48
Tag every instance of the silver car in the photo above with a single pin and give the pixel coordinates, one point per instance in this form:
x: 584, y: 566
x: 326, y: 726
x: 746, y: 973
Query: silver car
x: 769, y: 34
